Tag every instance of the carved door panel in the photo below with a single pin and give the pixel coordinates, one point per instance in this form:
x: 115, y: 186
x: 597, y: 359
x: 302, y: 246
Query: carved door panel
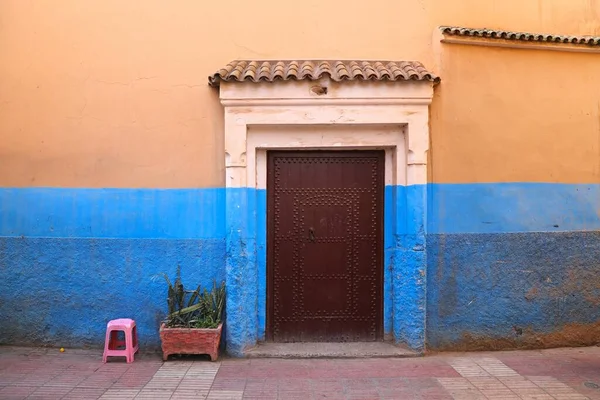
x: 325, y: 246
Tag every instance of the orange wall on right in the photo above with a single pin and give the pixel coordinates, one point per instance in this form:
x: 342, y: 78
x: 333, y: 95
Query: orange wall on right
x: 516, y: 115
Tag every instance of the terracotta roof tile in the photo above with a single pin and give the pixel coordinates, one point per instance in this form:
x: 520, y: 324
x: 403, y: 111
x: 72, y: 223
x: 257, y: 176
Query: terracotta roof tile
x: 519, y: 36
x: 270, y: 71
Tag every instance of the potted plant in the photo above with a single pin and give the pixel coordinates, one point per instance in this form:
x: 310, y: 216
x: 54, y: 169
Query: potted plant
x: 193, y: 324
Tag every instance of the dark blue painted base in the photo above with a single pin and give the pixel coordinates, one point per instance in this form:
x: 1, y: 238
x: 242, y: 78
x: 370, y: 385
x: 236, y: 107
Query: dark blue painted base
x: 61, y: 292
x: 510, y: 286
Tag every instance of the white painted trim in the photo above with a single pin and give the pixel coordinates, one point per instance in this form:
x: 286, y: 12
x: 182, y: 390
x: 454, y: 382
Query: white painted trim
x: 357, y: 115
x: 324, y: 102
x: 339, y: 137
x: 301, y: 90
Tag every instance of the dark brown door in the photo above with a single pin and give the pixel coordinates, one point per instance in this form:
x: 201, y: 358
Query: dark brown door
x: 325, y: 246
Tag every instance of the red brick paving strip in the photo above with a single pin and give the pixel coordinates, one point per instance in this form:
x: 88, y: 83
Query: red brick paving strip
x: 568, y: 374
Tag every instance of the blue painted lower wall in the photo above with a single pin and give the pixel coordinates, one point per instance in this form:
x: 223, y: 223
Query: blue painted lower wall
x: 463, y: 263
x: 509, y: 290
x: 513, y: 265
x: 72, y: 259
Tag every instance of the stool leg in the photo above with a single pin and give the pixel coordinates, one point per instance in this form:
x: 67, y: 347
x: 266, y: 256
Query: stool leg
x: 129, y: 345
x: 136, y: 345
x: 106, y: 342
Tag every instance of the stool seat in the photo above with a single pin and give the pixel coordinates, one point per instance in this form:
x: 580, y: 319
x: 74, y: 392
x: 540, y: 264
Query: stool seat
x: 115, y: 347
x: 124, y: 322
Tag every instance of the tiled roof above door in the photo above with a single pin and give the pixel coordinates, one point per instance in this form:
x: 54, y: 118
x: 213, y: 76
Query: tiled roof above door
x: 348, y: 70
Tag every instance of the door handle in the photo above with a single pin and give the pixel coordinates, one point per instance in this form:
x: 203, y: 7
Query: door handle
x: 311, y: 234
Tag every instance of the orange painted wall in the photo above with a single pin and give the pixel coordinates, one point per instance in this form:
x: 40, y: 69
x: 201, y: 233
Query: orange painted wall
x: 114, y: 94
x: 514, y: 115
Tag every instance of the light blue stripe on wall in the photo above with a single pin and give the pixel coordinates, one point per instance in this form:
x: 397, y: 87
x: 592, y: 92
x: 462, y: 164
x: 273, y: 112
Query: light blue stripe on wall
x: 113, y: 213
x: 200, y: 213
x: 513, y: 207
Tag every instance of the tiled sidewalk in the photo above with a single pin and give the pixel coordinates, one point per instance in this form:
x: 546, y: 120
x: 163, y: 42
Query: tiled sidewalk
x: 568, y: 374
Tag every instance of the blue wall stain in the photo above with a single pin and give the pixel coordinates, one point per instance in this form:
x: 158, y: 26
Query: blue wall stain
x: 490, y: 285
x: 513, y: 207
x: 63, y: 291
x: 113, y: 213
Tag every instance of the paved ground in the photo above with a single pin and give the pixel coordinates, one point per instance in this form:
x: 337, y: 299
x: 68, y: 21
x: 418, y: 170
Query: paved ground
x: 551, y: 374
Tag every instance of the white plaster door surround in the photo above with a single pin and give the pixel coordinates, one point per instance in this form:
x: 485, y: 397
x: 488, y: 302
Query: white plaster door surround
x: 318, y: 111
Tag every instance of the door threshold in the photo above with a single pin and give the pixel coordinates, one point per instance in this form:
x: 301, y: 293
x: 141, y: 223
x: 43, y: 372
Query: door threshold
x: 329, y: 350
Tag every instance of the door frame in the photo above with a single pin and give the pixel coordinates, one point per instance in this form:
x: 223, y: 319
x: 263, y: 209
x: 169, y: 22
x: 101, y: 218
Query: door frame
x: 270, y: 234
x: 393, y: 116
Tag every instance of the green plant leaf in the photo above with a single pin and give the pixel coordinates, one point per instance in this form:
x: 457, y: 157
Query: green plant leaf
x: 204, y: 307
x: 188, y: 309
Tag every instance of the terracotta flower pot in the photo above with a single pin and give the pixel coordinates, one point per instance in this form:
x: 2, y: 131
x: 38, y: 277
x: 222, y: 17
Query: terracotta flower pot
x: 190, y: 341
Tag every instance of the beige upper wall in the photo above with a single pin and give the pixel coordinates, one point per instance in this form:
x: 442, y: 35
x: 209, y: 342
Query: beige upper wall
x: 114, y: 93
x: 503, y: 115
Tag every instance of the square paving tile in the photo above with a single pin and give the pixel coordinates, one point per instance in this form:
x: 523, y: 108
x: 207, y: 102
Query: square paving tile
x: 16, y: 392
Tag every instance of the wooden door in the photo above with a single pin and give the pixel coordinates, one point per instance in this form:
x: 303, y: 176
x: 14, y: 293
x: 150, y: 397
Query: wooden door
x: 325, y: 246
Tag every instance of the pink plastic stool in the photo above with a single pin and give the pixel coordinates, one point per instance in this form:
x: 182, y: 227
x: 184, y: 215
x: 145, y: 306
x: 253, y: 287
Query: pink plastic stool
x: 113, y: 347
